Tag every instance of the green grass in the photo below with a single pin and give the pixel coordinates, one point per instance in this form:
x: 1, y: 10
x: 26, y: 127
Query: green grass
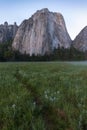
x: 43, y: 96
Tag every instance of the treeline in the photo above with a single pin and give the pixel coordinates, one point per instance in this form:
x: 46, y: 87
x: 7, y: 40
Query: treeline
x: 61, y: 54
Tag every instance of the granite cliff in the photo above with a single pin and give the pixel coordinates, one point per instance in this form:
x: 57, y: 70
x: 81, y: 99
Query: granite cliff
x: 42, y: 33
x: 7, y: 32
x: 80, y: 42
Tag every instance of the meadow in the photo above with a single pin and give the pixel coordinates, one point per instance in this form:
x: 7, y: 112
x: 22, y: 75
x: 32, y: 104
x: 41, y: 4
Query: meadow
x: 43, y: 96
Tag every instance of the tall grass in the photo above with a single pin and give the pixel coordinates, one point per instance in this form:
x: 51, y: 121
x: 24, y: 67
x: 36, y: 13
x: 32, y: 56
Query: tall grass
x: 43, y: 96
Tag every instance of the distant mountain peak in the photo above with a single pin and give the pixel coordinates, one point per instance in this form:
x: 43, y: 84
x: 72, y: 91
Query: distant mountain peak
x: 80, y: 42
x: 7, y: 32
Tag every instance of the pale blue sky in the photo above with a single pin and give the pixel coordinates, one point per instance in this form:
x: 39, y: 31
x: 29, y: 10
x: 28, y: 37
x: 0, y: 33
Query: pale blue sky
x: 74, y: 11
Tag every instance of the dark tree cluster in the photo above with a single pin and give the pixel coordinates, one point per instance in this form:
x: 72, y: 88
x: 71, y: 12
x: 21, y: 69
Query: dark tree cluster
x: 60, y: 54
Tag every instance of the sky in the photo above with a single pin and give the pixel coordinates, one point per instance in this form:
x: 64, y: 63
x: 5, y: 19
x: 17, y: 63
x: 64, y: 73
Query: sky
x: 73, y: 11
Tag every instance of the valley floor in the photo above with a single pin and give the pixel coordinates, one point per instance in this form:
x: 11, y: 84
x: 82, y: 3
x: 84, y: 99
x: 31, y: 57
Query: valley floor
x: 43, y: 96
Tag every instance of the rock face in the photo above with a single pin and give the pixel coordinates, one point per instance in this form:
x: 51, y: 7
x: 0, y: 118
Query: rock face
x: 41, y: 33
x: 7, y: 32
x: 80, y: 41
